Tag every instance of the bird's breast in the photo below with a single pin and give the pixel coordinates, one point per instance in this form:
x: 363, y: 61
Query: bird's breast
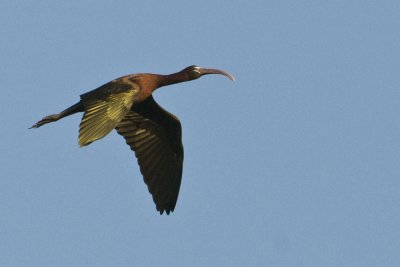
x: 143, y: 94
x: 147, y: 84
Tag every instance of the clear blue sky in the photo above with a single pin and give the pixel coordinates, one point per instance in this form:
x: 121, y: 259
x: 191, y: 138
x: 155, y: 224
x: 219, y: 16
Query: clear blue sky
x: 297, y: 163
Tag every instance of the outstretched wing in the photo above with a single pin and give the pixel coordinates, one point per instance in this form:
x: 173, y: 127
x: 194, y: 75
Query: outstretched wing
x: 105, y: 107
x: 156, y: 137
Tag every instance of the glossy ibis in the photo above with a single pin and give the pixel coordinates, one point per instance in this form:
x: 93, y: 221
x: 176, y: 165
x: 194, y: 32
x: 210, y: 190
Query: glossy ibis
x: 155, y: 135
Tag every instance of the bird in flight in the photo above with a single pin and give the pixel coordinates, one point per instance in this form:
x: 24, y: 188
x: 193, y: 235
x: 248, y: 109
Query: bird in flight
x: 155, y: 135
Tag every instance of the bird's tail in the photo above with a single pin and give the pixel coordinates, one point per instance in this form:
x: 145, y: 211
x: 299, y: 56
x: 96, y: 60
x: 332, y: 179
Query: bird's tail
x: 78, y: 107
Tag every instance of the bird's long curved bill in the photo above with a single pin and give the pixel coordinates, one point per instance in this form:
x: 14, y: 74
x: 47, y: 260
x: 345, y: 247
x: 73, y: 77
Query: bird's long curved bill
x: 204, y: 71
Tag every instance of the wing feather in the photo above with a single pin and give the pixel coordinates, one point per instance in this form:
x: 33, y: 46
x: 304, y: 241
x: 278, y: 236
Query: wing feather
x: 155, y: 136
x: 105, y: 107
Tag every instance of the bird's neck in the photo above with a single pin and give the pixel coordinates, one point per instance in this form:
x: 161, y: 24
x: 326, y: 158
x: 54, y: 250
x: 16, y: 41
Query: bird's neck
x: 173, y: 78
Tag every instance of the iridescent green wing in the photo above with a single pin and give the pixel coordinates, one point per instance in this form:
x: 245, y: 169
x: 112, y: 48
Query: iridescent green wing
x: 155, y: 136
x: 105, y: 107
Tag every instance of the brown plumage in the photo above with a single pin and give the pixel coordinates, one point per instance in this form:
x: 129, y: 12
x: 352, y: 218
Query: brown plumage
x: 155, y: 135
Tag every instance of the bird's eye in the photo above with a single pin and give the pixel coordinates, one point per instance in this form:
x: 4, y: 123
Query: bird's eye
x: 196, y: 71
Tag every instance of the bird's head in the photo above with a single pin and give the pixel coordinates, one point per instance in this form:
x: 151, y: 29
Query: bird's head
x: 195, y: 72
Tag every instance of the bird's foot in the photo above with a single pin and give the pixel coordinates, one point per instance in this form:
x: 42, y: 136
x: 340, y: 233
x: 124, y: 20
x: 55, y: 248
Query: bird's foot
x: 45, y: 120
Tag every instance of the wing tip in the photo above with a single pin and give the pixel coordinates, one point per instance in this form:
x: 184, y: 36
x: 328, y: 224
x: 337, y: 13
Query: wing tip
x: 167, y: 210
x: 83, y: 142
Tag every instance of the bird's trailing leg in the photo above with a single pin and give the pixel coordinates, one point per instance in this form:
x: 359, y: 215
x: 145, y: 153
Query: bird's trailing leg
x: 78, y: 107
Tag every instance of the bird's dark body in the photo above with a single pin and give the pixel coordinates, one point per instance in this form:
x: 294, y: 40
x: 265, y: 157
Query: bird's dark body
x: 155, y: 135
